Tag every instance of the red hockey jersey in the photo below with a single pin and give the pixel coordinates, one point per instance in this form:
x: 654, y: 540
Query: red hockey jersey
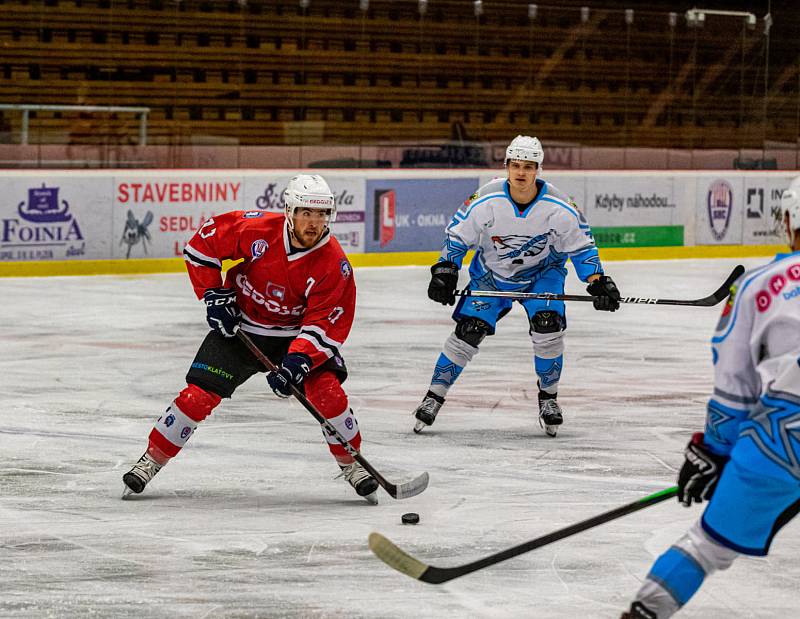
x: 308, y: 294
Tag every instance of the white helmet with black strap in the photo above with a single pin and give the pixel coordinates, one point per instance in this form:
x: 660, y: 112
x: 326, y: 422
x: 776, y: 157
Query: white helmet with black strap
x: 308, y: 191
x: 525, y: 148
x: 790, y: 207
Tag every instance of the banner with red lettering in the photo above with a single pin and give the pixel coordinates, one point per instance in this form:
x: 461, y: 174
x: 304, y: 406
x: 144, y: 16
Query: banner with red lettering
x: 155, y: 214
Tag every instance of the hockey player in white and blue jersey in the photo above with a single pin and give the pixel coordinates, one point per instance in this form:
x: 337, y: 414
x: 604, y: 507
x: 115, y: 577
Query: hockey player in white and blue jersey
x: 523, y: 230
x: 747, y: 462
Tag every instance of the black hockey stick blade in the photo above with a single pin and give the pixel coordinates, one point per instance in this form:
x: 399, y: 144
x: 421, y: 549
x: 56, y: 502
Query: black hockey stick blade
x: 721, y: 293
x: 399, y: 559
x: 396, y: 491
x: 716, y: 297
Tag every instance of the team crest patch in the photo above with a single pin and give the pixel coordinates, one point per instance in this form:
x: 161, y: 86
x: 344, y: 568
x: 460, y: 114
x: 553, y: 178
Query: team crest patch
x: 469, y: 200
x: 275, y: 291
x: 345, y: 268
x: 252, y: 214
x: 258, y: 248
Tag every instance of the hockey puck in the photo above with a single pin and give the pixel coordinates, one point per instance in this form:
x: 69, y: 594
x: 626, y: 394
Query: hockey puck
x: 410, y: 518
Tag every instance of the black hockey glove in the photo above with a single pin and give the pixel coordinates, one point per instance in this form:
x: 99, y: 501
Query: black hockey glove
x: 444, y: 279
x: 293, y: 370
x: 606, y: 292
x: 700, y: 472
x: 222, y: 312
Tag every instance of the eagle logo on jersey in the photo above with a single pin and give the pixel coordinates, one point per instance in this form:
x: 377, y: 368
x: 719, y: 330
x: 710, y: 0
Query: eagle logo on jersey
x: 479, y: 306
x: 515, y: 245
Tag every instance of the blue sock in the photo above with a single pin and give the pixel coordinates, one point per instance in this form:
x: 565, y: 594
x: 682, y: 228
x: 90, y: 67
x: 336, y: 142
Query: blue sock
x: 678, y: 573
x: 548, y: 370
x: 446, y: 372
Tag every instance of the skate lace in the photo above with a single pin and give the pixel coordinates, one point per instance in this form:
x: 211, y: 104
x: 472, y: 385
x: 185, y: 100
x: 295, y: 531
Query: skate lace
x: 353, y: 473
x: 549, y: 407
x: 146, y: 468
x: 429, y: 405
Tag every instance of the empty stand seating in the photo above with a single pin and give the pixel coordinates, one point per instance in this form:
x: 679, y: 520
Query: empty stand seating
x: 254, y: 71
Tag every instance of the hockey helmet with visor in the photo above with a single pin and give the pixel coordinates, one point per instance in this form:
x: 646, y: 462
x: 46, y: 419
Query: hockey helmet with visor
x: 525, y: 148
x: 309, y: 191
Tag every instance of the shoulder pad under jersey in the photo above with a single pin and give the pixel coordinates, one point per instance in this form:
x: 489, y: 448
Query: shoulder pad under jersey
x: 493, y: 186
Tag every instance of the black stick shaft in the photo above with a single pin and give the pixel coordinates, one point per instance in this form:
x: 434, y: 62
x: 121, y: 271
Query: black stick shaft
x: 438, y: 575
x: 713, y: 299
x: 329, y: 427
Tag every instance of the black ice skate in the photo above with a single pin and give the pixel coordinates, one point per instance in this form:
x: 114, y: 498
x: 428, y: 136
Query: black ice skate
x: 363, y: 483
x: 138, y: 477
x: 426, y: 412
x: 550, y: 416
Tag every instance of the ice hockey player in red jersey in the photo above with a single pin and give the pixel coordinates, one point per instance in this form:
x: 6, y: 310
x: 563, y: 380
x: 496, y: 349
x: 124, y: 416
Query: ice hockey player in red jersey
x: 294, y: 295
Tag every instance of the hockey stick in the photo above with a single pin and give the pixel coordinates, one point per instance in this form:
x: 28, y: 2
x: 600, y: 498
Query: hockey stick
x: 403, y: 562
x: 397, y: 491
x: 716, y: 297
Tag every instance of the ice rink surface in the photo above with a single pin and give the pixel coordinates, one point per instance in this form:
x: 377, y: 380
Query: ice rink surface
x: 248, y: 521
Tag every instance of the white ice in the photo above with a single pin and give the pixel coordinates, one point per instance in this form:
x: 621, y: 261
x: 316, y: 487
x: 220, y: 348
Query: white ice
x: 248, y: 520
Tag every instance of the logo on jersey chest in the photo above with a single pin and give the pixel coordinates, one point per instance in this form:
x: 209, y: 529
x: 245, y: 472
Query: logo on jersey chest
x: 275, y: 291
x: 512, y: 246
x: 272, y: 300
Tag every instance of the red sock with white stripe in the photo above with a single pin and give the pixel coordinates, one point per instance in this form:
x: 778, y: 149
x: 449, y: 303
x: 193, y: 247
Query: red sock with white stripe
x: 178, y: 423
x: 325, y: 392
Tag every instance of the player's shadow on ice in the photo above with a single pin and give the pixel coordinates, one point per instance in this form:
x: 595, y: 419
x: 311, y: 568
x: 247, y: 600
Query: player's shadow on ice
x: 505, y: 440
x: 264, y: 500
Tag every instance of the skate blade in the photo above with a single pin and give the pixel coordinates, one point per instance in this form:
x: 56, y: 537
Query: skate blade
x: 419, y: 426
x: 372, y: 498
x: 127, y: 492
x: 550, y: 430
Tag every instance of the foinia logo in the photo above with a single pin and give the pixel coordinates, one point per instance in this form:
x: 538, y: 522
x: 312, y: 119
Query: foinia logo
x: 44, y: 228
x: 720, y: 207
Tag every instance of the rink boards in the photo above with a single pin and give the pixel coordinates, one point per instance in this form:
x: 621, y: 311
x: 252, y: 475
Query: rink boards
x: 64, y: 222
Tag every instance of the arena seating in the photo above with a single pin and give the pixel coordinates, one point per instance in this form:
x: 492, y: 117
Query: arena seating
x: 256, y: 71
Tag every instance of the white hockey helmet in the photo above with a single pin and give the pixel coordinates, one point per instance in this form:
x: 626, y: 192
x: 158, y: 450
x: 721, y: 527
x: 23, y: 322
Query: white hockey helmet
x: 790, y: 206
x: 308, y: 191
x: 525, y: 148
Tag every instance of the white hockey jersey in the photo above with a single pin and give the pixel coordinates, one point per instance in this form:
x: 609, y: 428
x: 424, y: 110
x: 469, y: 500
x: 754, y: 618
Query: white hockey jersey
x: 756, y: 350
x: 515, y: 249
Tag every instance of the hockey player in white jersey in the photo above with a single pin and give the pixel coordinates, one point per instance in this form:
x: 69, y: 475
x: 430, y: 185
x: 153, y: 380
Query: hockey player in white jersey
x: 747, y: 462
x: 523, y: 230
